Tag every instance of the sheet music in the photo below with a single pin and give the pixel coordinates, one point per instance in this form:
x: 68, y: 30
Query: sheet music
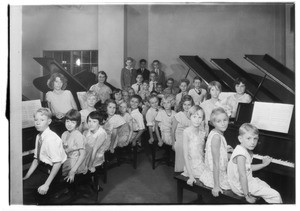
x: 28, y: 109
x: 272, y: 116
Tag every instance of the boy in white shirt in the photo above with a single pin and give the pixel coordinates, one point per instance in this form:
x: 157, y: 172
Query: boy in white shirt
x: 198, y: 94
x: 150, y: 117
x: 49, y: 155
x: 137, y: 87
x: 138, y: 125
x: 239, y: 169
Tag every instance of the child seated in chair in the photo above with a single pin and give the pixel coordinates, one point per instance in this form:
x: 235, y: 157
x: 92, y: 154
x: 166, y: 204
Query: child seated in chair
x: 164, y: 121
x: 117, y: 96
x: 91, y: 99
x: 96, y: 140
x: 74, y: 145
x: 138, y: 125
x: 113, y: 124
x: 150, y: 116
x: 123, y: 109
x: 49, y: 155
x: 170, y: 88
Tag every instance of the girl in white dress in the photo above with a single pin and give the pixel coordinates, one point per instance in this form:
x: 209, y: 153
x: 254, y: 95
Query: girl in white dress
x: 123, y: 109
x: 91, y: 99
x: 113, y: 124
x: 164, y: 121
x: 214, y: 90
x: 193, y: 145
x: 96, y: 140
x: 74, y: 146
x: 216, y: 157
x: 181, y: 121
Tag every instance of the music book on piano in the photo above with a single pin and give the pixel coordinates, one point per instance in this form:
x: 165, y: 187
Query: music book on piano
x: 274, y: 117
x: 28, y: 110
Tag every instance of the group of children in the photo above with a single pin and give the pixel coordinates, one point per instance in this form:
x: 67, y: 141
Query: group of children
x: 178, y: 118
x: 214, y: 165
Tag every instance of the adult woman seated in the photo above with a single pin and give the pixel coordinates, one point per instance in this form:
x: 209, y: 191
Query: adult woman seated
x: 101, y: 89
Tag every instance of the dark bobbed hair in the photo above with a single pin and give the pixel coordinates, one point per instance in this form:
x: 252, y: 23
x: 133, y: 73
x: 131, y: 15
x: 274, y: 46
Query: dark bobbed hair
x: 153, y: 93
x: 184, y: 99
x: 170, y: 79
x: 146, y: 81
x: 107, y: 102
x: 239, y: 80
x: 197, y: 78
x: 102, y: 73
x: 50, y: 82
x: 114, y: 92
x: 99, y: 115
x: 185, y: 80
x: 137, y: 97
x: 73, y: 115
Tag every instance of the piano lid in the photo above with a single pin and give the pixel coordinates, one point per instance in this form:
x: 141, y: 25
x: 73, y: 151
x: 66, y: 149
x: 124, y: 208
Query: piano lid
x: 201, y: 69
x: 275, y: 70
x: 52, y: 66
x: 234, y: 71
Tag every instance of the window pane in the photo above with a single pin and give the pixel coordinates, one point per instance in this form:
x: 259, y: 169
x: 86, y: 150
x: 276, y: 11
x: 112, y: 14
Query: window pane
x: 86, y: 57
x: 58, y: 56
x: 66, y: 57
x: 76, y: 58
x: 86, y: 67
x: 94, y: 57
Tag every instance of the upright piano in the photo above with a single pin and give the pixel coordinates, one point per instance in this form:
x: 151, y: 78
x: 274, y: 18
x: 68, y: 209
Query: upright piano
x: 276, y: 85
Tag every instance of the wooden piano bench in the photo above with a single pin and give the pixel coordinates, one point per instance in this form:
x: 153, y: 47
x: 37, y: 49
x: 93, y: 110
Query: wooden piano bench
x: 228, y: 197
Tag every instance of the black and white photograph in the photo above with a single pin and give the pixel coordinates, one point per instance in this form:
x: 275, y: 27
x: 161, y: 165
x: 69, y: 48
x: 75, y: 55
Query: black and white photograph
x: 151, y: 103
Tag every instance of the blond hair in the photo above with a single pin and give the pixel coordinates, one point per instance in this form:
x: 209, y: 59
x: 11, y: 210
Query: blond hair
x: 194, y: 109
x: 216, y: 112
x: 246, y: 128
x: 45, y: 112
x: 168, y: 97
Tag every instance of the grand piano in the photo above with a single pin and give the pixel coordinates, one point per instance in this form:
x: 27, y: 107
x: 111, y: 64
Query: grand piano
x: 276, y: 85
x: 82, y: 81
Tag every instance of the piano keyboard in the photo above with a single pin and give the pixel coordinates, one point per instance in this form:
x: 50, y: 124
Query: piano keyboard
x: 28, y: 152
x: 277, y: 161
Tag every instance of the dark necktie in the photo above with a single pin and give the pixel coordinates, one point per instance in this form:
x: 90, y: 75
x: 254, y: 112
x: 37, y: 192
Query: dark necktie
x: 198, y: 92
x: 153, y: 86
x: 139, y: 87
x: 40, y: 141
